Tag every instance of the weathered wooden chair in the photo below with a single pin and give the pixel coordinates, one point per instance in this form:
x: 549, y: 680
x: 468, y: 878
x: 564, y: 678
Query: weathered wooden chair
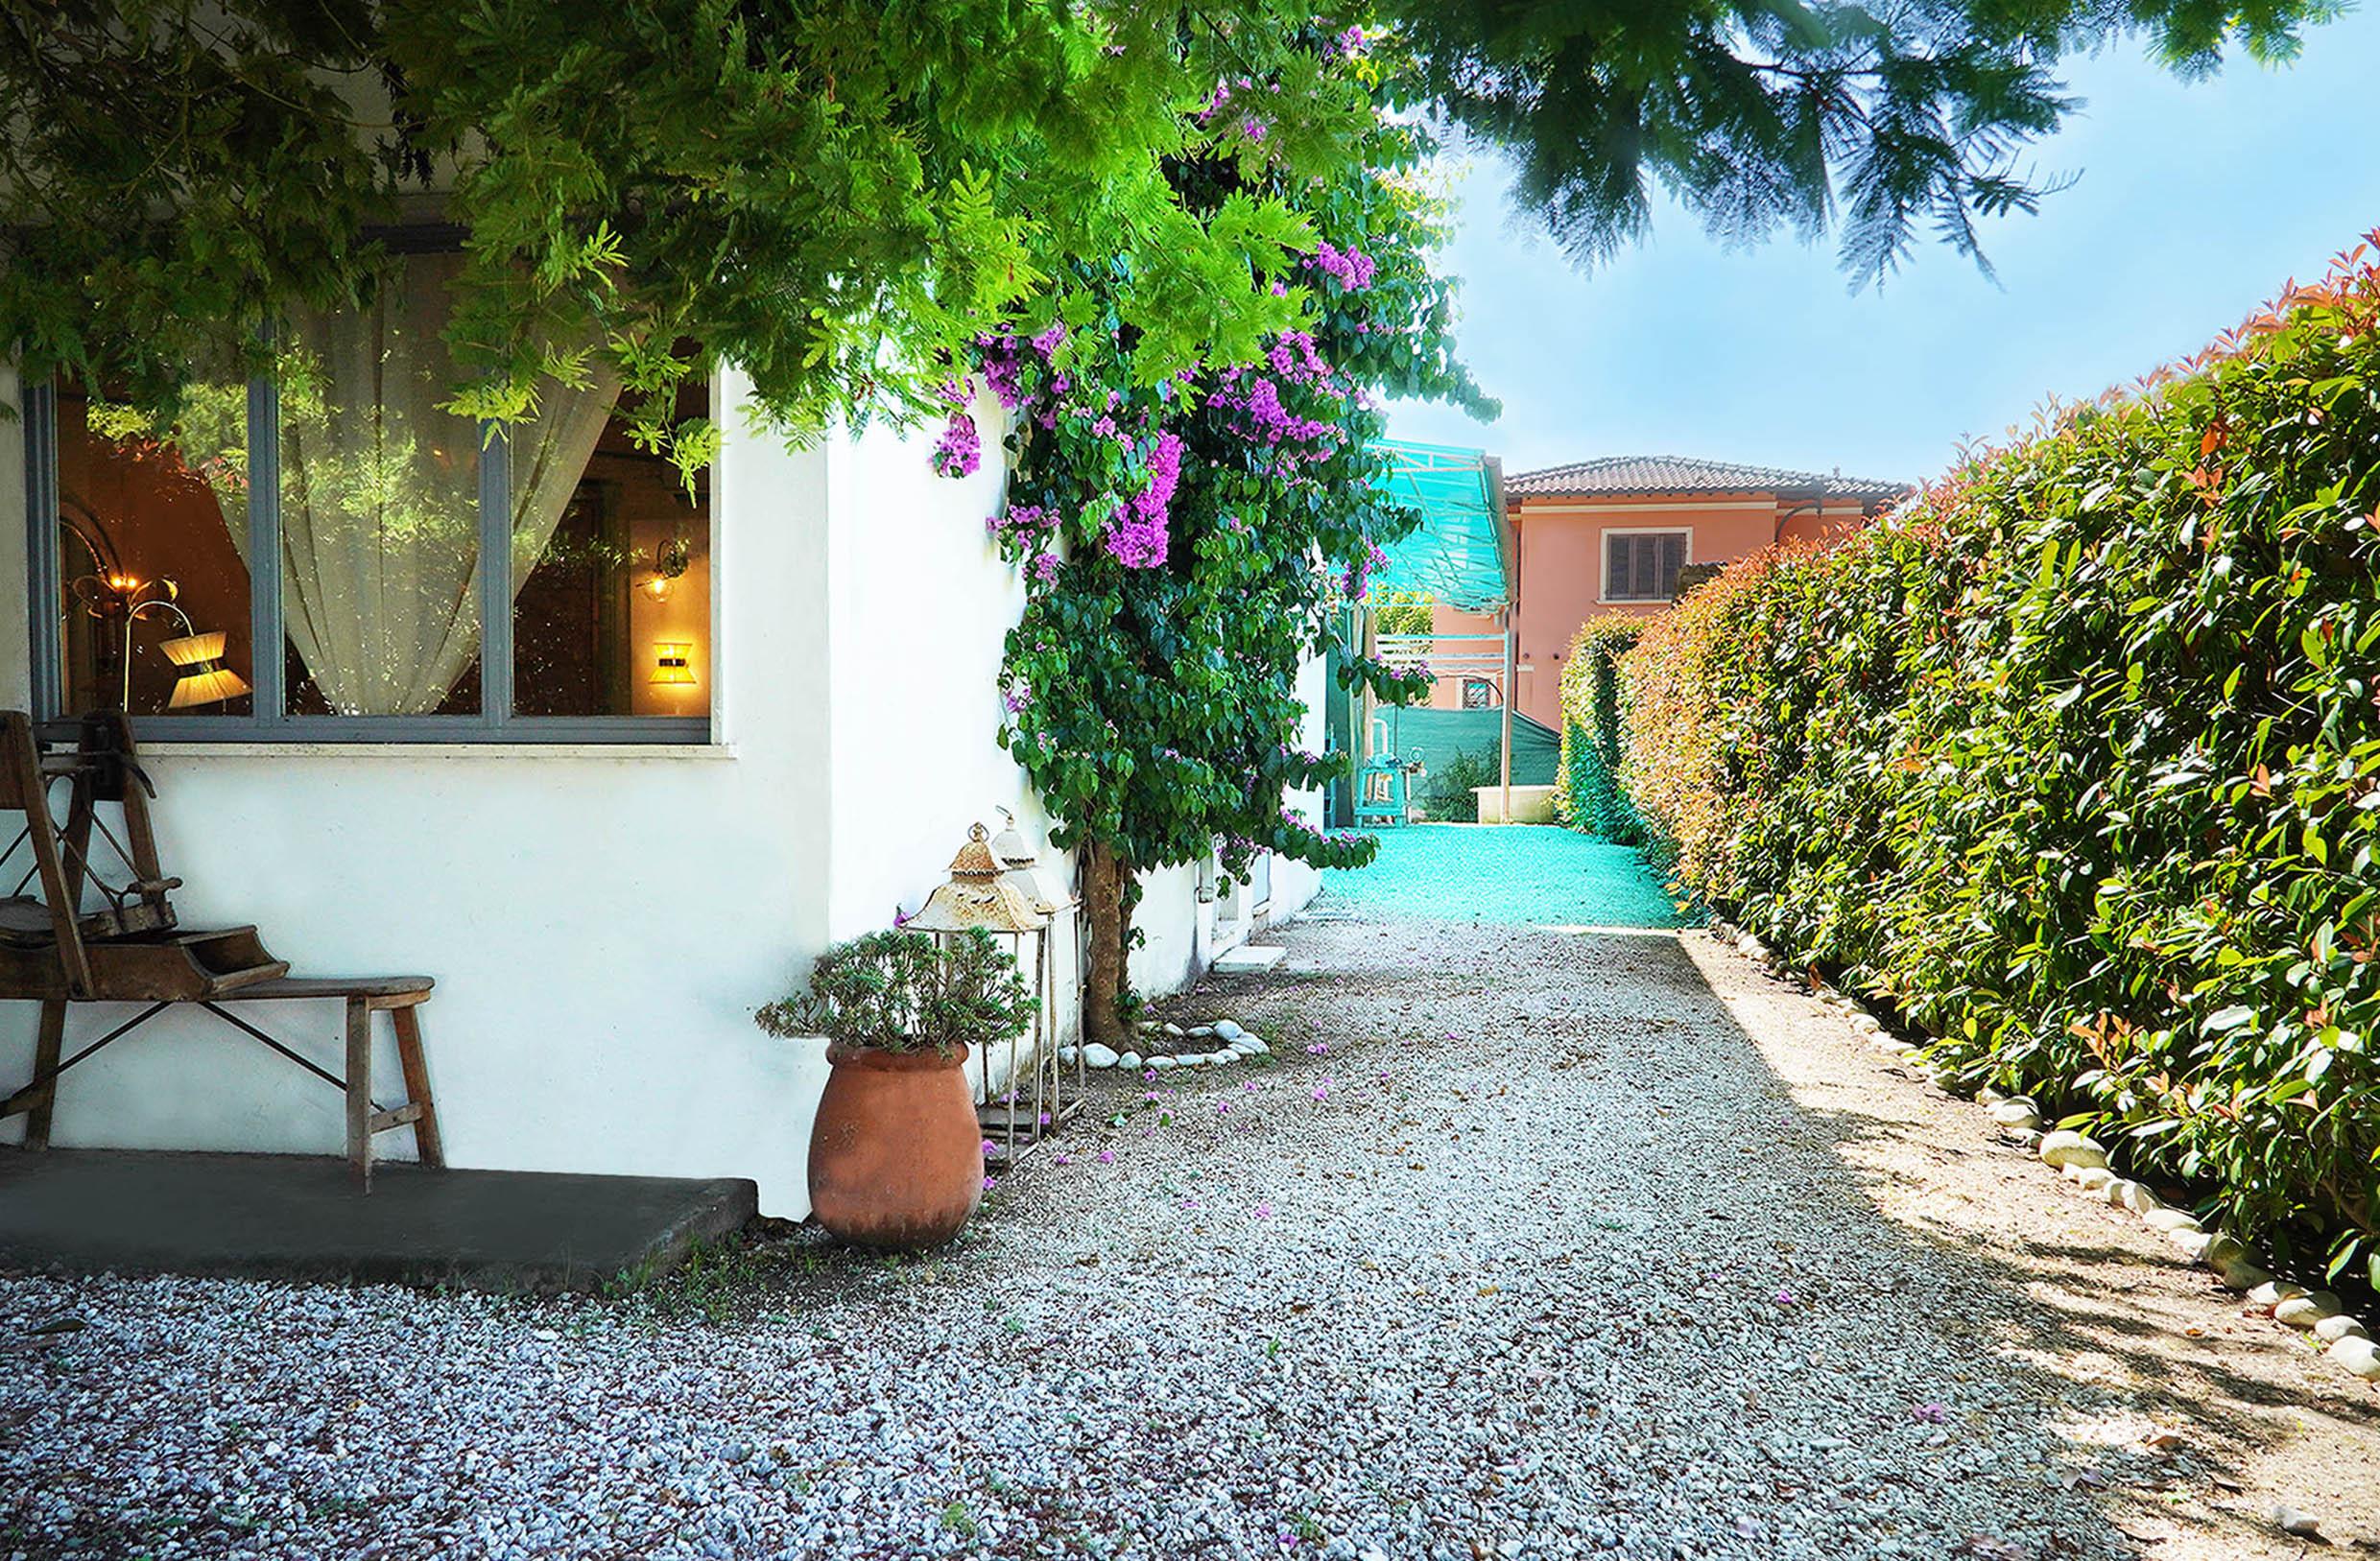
x: 93, y: 936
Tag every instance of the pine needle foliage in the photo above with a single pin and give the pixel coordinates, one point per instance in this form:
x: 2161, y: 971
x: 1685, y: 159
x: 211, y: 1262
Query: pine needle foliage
x: 1882, y: 122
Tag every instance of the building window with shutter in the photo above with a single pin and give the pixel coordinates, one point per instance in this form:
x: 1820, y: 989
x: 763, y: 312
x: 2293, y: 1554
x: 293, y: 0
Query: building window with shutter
x: 1643, y: 566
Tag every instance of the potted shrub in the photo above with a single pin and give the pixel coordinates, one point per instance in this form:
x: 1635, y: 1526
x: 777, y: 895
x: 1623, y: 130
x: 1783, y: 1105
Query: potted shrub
x: 896, y: 1159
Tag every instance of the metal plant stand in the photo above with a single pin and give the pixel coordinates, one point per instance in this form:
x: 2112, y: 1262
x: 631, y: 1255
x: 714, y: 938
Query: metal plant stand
x: 997, y: 886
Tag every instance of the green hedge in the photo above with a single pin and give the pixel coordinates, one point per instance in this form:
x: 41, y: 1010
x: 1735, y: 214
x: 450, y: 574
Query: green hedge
x: 2076, y: 761
x: 1586, y: 790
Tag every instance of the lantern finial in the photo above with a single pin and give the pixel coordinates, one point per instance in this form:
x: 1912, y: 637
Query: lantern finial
x: 976, y: 897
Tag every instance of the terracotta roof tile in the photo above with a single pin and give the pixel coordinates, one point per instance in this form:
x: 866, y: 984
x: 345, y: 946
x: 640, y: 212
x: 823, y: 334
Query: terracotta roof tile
x: 1613, y: 475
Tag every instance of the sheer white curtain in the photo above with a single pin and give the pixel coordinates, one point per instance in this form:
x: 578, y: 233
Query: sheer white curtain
x: 380, y: 555
x: 550, y: 453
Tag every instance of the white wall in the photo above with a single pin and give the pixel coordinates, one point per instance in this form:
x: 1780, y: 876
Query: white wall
x: 603, y: 922
x: 919, y: 602
x: 919, y: 607
x: 1294, y: 884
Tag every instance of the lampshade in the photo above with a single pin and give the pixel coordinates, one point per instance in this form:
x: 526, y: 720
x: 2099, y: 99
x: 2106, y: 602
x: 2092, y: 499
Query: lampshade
x: 192, y: 649
x: 671, y: 663
x: 975, y: 896
x: 204, y: 680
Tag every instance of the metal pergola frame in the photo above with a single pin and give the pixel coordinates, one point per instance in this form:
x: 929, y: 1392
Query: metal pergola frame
x: 1465, y: 554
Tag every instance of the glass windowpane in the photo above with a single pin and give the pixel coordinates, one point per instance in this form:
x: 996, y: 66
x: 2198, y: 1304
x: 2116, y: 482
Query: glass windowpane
x: 611, y: 565
x: 379, y: 507
x: 152, y: 545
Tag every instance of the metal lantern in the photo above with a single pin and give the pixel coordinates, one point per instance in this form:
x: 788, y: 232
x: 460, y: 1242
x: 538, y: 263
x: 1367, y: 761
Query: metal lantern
x: 976, y: 897
x: 1049, y: 894
x: 979, y: 896
x: 1020, y: 866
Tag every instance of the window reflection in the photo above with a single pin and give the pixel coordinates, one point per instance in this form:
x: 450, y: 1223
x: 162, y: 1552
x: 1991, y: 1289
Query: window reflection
x: 381, y: 516
x: 152, y: 529
x: 612, y: 611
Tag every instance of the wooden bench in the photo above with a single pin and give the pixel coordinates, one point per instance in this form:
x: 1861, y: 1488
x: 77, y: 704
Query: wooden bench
x: 400, y: 997
x: 85, y: 938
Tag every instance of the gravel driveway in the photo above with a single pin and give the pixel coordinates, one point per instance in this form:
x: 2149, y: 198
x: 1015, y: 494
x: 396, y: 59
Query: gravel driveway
x: 1537, y: 1253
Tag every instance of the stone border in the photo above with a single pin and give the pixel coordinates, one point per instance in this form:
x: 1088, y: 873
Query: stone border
x: 2084, y: 1161
x: 1238, y: 1043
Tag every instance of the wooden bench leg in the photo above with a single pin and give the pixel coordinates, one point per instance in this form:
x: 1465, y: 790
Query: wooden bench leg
x: 408, y: 1023
x: 359, y: 1090
x: 45, y: 1055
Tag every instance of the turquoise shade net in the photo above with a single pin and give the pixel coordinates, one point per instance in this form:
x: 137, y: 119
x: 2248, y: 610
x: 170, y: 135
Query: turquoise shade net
x: 1461, y: 555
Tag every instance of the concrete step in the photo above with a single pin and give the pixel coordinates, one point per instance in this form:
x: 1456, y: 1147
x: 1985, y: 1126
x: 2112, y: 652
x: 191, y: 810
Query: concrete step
x: 300, y: 1216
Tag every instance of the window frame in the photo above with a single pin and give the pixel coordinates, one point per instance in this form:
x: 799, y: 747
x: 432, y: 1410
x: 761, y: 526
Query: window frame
x: 272, y: 722
x: 1605, y: 595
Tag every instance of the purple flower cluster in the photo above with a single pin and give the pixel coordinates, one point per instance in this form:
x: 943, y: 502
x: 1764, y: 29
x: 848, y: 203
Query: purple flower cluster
x: 1295, y: 358
x: 1354, y: 268
x: 1023, y: 520
x: 1137, y: 536
x: 1003, y: 371
x: 1266, y: 417
x: 1018, y: 696
x: 960, y: 451
x: 1136, y: 543
x: 1165, y: 476
x: 1004, y: 362
x: 1045, y: 567
x: 1357, y: 580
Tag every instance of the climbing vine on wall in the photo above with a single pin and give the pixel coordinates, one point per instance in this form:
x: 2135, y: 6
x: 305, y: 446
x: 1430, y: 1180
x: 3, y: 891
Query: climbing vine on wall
x: 1587, y: 793
x: 1191, y: 539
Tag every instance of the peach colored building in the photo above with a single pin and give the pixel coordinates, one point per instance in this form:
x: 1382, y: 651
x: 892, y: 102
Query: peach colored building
x: 1612, y: 535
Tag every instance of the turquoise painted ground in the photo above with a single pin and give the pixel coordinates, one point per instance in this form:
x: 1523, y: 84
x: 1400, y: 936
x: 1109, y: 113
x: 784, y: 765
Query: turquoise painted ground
x: 1522, y: 873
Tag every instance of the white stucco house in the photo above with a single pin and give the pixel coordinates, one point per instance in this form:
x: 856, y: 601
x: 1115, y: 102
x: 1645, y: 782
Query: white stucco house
x: 698, y: 737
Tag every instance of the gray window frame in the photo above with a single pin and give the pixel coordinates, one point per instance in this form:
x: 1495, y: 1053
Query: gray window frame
x: 495, y: 722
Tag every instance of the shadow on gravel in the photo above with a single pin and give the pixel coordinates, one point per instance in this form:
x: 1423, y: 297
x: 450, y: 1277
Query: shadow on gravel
x: 1627, y: 1030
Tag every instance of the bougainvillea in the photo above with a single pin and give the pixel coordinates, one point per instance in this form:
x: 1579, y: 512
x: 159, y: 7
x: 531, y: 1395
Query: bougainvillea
x: 2076, y: 762
x: 1190, y: 539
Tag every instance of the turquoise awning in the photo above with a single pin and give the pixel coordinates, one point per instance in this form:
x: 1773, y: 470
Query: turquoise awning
x: 1462, y: 554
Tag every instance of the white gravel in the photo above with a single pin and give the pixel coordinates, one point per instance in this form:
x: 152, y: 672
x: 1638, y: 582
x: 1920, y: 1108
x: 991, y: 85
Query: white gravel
x: 1532, y: 1257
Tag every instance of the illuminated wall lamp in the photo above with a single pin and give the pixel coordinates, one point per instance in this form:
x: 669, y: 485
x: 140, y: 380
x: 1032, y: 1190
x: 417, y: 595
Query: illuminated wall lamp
x: 671, y: 664
x: 670, y: 560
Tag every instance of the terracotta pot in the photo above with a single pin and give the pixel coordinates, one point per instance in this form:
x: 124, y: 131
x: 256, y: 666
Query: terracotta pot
x: 896, y: 1159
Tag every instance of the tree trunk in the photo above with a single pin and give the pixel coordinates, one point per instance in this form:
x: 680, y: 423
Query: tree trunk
x: 1104, y: 984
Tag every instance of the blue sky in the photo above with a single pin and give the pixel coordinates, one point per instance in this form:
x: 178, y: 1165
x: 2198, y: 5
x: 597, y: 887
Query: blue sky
x: 2194, y: 203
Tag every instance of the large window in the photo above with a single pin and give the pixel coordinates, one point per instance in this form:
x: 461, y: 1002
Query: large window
x: 1642, y: 566
x: 424, y: 580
